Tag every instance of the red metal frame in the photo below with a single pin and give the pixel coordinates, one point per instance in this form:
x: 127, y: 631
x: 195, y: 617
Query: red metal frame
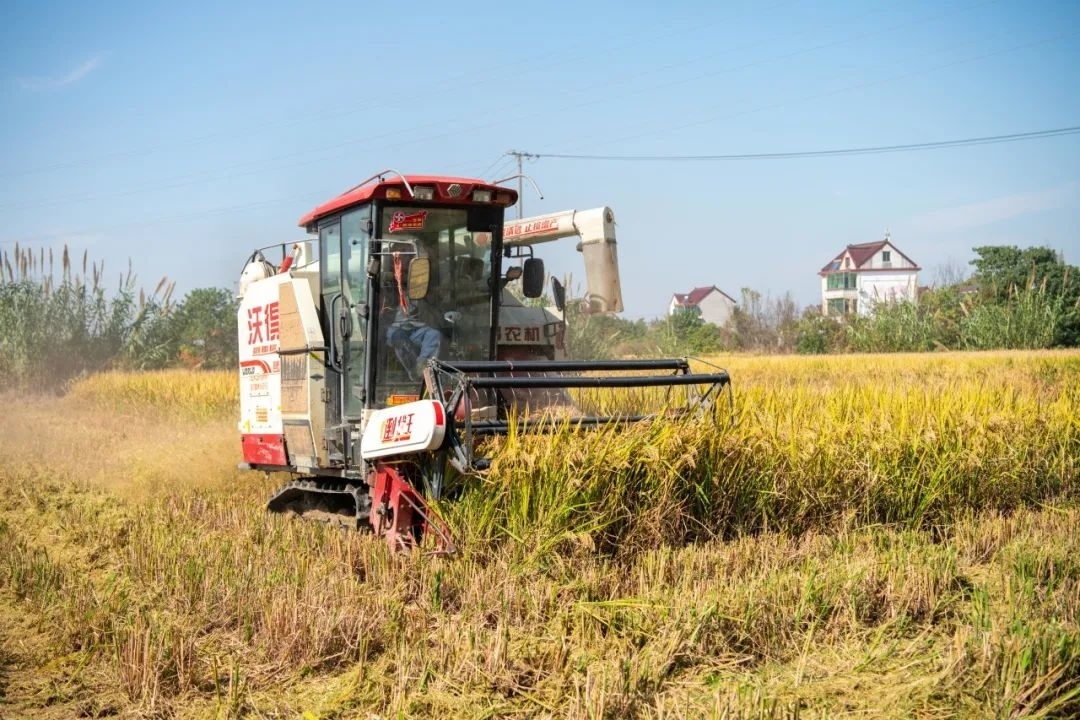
x: 377, y: 190
x: 400, y: 515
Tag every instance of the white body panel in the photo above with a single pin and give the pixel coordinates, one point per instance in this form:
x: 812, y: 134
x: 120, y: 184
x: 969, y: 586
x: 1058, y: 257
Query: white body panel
x: 596, y: 228
x: 280, y: 312
x: 410, y: 428
x: 553, y: 226
x: 303, y: 374
x: 259, y: 329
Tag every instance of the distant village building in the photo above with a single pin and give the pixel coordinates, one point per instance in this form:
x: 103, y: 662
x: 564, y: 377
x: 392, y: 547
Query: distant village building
x: 714, y: 305
x: 865, y: 274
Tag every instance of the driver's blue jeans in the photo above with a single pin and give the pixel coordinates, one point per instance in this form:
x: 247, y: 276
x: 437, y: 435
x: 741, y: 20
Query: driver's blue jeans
x: 415, y: 347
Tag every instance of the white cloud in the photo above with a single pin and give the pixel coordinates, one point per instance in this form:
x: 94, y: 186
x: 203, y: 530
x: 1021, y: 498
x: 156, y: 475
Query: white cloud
x: 987, y: 212
x: 55, y: 83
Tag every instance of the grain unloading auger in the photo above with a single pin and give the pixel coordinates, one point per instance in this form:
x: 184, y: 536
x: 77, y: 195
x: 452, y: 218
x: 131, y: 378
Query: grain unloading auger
x: 377, y: 356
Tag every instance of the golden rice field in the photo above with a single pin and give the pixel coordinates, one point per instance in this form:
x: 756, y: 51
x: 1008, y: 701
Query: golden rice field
x: 860, y: 536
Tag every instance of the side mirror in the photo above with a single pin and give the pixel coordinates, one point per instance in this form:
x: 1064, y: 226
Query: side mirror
x: 558, y: 291
x: 419, y: 278
x: 532, y: 280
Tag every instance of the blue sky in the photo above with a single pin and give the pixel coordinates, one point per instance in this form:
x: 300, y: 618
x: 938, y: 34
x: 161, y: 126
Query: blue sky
x: 180, y: 136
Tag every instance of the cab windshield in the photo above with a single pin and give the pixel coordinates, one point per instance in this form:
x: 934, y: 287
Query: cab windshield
x: 453, y: 319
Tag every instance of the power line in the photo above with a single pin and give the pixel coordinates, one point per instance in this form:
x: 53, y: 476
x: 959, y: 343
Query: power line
x: 527, y: 65
x: 503, y: 120
x: 197, y: 178
x: 308, y: 157
x: 519, y: 155
x: 877, y: 149
x: 683, y: 79
x: 668, y: 129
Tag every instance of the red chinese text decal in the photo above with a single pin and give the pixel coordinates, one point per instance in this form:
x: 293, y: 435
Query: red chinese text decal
x: 530, y: 228
x: 264, y: 324
x: 408, y: 221
x: 397, y: 428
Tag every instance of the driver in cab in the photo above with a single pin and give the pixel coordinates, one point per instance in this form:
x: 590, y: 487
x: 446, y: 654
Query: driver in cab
x: 414, y: 339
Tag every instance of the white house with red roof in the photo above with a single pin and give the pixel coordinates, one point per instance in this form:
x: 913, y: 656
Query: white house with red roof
x: 865, y: 274
x: 714, y: 304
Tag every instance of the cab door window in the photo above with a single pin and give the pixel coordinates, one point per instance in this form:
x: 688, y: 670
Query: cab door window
x: 330, y: 272
x: 356, y: 236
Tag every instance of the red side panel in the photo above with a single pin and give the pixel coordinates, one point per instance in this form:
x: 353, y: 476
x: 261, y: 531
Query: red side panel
x: 264, y: 449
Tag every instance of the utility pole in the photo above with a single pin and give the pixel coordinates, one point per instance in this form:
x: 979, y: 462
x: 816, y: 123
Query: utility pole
x: 521, y: 157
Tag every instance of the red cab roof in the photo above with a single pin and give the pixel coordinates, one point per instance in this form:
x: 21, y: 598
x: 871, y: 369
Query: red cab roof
x: 444, y: 192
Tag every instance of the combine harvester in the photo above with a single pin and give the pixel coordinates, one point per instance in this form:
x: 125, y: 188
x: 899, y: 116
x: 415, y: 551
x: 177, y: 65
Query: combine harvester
x: 377, y: 355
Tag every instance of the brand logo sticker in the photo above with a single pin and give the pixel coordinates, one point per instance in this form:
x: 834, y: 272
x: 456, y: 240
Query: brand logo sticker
x: 401, y: 220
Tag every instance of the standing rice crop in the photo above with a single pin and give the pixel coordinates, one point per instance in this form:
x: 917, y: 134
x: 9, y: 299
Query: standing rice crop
x: 201, y: 394
x: 913, y: 440
x: 888, y: 537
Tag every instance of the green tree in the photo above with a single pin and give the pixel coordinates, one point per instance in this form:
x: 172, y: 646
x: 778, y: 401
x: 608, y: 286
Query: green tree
x: 999, y: 268
x: 203, y: 329
x: 817, y: 334
x: 684, y: 332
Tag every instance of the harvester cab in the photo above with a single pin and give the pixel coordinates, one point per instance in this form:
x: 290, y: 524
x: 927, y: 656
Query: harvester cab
x: 372, y: 362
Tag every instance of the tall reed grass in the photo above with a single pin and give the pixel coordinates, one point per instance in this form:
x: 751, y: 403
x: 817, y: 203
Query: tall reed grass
x: 59, y: 321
